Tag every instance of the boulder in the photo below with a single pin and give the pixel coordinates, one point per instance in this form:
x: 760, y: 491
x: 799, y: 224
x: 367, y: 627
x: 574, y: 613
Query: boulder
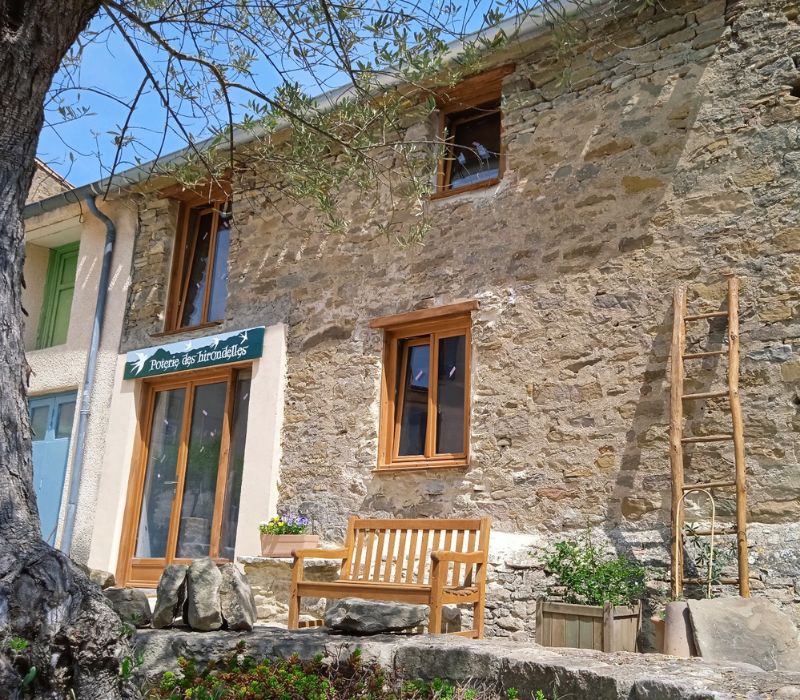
x: 202, y: 610
x: 130, y: 604
x: 749, y: 630
x: 170, y: 596
x: 358, y: 616
x: 237, y: 602
x: 104, y: 579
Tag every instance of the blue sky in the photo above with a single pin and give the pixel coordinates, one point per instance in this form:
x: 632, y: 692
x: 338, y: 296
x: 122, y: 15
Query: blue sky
x: 107, y: 64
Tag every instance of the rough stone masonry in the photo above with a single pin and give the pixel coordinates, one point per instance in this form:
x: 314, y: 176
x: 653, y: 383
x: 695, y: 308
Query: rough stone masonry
x: 670, y: 156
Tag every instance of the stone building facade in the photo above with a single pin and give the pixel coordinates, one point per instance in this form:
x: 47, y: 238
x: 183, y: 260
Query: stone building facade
x: 669, y: 156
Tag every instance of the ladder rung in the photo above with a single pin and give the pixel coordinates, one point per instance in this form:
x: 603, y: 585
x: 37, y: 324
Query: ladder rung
x: 706, y: 532
x: 709, y: 485
x: 698, y: 355
x: 705, y: 395
x: 711, y: 314
x: 722, y: 581
x: 708, y: 438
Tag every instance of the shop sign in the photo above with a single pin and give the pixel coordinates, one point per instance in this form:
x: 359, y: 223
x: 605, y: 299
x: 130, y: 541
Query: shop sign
x: 197, y: 353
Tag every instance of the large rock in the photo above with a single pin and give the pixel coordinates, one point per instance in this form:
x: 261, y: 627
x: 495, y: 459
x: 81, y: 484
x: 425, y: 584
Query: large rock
x: 130, y: 604
x: 236, y: 599
x: 202, y: 609
x: 170, y: 596
x: 104, y: 579
x: 750, y: 630
x: 358, y: 616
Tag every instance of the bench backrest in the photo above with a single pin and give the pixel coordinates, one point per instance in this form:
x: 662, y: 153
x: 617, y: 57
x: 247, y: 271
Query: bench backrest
x: 399, y: 551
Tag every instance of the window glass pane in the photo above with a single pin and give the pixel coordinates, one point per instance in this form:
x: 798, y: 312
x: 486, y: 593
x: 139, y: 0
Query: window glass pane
x: 219, y: 283
x: 161, y: 475
x: 230, y: 514
x: 66, y: 413
x: 414, y: 411
x: 39, y: 416
x: 475, y: 136
x: 198, y: 245
x: 451, y: 376
x: 200, y: 481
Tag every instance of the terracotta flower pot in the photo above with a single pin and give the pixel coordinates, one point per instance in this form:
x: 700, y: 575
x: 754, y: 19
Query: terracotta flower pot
x: 284, y: 545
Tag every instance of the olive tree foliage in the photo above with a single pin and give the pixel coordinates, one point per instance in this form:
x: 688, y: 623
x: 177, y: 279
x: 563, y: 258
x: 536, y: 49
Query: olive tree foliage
x: 264, y: 73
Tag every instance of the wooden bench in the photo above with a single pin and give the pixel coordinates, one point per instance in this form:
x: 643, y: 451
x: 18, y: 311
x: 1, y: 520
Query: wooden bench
x: 409, y: 561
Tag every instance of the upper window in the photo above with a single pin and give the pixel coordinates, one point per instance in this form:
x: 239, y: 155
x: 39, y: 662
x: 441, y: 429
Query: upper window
x: 59, y: 288
x: 200, y: 271
x: 473, y: 151
x: 425, y: 392
x: 471, y: 131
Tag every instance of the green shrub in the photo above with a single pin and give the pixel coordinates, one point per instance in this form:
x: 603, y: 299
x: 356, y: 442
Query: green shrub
x: 592, y: 578
x: 236, y: 677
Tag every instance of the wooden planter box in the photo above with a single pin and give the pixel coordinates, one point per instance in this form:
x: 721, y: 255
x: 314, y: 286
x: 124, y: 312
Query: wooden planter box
x: 605, y: 628
x: 284, y: 545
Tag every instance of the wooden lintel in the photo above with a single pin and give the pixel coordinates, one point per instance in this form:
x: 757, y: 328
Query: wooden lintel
x: 424, y: 314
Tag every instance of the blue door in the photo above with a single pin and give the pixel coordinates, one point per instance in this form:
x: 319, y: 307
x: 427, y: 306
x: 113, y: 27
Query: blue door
x: 51, y: 427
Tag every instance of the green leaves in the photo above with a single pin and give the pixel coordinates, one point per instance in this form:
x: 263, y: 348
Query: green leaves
x: 593, y: 578
x: 18, y: 645
x: 236, y: 676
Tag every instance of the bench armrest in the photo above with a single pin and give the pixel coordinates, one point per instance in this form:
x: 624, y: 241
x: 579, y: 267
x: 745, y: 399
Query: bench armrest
x: 477, y: 557
x: 319, y: 553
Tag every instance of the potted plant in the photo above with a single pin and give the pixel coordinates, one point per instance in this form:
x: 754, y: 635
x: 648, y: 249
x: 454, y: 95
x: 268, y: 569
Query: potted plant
x: 283, y: 534
x: 600, y: 606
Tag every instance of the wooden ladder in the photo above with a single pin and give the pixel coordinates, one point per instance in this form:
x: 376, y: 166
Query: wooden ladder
x: 677, y: 440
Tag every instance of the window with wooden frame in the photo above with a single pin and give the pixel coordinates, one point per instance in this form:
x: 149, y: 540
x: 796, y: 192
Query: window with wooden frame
x: 199, y: 283
x: 183, y: 497
x: 470, y: 127
x: 425, y: 392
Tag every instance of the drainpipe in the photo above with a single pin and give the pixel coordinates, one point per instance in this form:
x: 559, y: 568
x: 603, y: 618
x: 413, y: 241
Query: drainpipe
x: 88, y: 380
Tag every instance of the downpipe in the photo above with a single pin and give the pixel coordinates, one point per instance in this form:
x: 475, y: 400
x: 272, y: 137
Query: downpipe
x: 88, y: 379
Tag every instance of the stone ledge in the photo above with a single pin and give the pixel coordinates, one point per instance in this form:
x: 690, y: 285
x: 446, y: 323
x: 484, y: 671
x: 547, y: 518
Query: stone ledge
x: 572, y: 673
x: 257, y: 561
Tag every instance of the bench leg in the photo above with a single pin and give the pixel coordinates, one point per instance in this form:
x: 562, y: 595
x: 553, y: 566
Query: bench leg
x: 477, y: 617
x: 435, y: 619
x: 294, y: 611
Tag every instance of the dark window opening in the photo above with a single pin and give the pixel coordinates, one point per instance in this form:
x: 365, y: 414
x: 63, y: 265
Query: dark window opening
x: 473, y: 146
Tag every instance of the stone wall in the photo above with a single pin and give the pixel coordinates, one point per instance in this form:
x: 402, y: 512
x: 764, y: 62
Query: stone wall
x: 672, y: 158
x: 46, y: 183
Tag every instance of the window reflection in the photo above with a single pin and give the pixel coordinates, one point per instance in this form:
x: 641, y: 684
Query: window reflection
x: 414, y: 412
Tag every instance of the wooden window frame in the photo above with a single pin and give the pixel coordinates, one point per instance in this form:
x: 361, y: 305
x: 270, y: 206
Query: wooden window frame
x: 192, y: 209
x: 47, y: 319
x: 483, y: 91
x: 149, y: 569
x: 437, y: 324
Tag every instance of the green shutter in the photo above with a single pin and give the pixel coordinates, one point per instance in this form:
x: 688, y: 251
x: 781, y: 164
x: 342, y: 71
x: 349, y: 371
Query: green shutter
x: 60, y: 285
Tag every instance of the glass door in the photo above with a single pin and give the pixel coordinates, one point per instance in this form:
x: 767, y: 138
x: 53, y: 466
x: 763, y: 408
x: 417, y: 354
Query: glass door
x: 194, y: 431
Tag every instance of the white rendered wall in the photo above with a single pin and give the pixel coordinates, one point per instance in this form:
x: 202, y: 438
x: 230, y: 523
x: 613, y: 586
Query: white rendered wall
x: 259, y: 492
x: 62, y: 367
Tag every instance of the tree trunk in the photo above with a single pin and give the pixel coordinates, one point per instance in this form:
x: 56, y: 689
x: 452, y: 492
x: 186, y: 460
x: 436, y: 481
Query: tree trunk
x: 73, y: 638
